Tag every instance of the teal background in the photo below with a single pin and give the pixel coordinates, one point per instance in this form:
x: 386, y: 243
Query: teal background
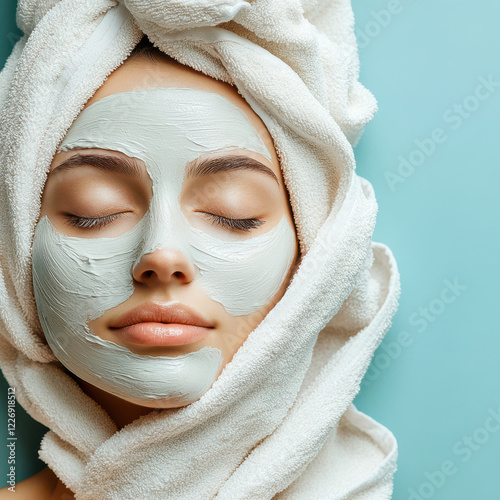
x: 435, y: 380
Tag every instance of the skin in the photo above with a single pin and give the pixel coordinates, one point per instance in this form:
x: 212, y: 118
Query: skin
x: 165, y: 274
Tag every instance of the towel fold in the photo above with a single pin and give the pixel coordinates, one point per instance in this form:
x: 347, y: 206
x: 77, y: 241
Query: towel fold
x: 279, y: 421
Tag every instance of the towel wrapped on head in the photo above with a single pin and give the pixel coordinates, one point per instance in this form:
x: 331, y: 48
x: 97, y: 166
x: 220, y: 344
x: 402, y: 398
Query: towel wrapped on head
x: 276, y: 426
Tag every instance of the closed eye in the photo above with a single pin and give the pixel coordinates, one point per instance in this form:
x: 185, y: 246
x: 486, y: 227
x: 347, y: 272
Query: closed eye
x: 89, y: 222
x: 240, y: 224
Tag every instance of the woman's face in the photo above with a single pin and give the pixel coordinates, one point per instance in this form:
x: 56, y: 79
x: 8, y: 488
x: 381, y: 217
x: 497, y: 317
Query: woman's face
x: 166, y: 199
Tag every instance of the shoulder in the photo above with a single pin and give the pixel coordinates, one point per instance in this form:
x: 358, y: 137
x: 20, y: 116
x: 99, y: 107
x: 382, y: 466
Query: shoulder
x: 39, y: 486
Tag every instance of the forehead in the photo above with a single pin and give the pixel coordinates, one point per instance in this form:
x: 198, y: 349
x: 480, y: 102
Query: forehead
x: 158, y: 123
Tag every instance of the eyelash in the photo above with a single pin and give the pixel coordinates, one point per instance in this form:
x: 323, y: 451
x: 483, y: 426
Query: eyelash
x: 91, y: 222
x: 240, y: 224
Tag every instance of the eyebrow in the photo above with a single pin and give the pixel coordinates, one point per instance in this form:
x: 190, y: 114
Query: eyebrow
x: 228, y: 163
x: 129, y: 166
x: 107, y: 163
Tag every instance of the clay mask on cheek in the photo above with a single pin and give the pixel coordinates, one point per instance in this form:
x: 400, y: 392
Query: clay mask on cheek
x: 78, y: 279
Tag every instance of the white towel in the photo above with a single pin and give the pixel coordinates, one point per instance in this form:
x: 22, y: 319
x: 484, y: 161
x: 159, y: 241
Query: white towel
x: 279, y: 421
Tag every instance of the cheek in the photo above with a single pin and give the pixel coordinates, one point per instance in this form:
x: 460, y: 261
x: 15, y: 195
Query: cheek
x: 76, y: 279
x: 244, y: 275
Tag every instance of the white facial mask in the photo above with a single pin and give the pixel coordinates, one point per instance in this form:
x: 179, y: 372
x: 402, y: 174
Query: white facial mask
x: 79, y: 279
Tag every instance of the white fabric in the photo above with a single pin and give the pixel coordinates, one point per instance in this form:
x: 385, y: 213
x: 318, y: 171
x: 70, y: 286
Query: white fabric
x: 279, y: 421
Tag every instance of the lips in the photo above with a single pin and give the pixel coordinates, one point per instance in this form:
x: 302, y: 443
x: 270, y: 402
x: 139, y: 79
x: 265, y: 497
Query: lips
x: 162, y: 325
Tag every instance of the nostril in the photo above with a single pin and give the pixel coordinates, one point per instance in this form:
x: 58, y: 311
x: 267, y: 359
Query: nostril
x: 164, y: 265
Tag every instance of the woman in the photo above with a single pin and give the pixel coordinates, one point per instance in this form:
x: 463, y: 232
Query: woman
x: 180, y: 354
x: 253, y: 188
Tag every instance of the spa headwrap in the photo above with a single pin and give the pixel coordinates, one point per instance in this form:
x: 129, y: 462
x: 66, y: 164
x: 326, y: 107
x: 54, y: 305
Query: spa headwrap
x: 279, y: 421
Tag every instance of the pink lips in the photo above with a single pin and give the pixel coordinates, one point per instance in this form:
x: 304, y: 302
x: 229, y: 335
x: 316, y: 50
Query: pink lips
x: 162, y: 325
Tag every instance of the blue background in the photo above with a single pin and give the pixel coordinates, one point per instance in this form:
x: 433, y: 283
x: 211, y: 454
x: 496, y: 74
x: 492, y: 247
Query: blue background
x: 431, y: 154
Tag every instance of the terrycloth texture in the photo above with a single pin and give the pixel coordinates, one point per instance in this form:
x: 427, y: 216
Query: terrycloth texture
x: 279, y: 421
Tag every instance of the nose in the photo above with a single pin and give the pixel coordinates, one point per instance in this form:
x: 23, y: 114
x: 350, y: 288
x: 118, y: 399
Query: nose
x: 165, y: 266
